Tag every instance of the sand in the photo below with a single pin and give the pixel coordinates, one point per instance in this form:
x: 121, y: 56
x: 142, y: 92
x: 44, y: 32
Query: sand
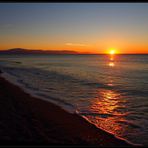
x: 26, y: 120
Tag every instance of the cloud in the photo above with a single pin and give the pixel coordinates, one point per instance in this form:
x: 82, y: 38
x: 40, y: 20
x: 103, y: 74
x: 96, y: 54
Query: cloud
x: 75, y: 44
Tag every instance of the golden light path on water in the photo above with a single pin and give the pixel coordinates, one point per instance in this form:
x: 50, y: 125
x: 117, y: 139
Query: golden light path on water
x: 106, y: 105
x: 107, y: 108
x: 111, y: 62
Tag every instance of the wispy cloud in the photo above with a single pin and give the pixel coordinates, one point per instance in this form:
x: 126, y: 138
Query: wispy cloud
x: 75, y: 44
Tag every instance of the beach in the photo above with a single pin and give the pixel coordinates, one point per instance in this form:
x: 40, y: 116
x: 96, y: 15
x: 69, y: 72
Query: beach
x: 74, y: 74
x: 28, y: 120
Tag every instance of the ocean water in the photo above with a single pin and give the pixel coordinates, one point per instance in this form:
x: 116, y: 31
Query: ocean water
x: 108, y: 91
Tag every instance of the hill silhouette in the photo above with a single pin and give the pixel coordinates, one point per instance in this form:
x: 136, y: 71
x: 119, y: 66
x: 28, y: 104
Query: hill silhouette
x: 34, y: 51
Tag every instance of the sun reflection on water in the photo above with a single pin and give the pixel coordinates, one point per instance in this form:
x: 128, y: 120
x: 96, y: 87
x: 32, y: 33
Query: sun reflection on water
x: 111, y: 57
x: 110, y: 83
x: 111, y: 62
x: 107, y: 102
x: 107, y: 106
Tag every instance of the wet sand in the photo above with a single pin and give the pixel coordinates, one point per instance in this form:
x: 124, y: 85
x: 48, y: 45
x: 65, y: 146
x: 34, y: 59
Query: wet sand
x: 26, y: 120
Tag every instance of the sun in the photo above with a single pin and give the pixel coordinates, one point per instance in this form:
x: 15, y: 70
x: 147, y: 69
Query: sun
x: 112, y: 51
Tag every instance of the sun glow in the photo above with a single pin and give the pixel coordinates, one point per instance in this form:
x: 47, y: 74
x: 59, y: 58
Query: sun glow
x: 112, y: 51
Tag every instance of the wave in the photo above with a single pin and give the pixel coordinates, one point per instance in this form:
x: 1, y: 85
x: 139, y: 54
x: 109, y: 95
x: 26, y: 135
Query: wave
x: 96, y: 114
x: 65, y: 90
x: 44, y: 75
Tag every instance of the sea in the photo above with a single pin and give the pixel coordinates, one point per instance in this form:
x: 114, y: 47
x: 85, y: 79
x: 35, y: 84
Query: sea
x: 109, y: 91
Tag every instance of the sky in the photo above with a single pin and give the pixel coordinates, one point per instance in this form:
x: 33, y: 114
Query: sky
x: 82, y: 27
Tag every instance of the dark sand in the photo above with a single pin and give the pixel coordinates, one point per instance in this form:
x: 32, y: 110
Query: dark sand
x: 27, y: 120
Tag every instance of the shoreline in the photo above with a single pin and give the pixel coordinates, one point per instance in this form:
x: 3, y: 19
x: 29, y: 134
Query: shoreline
x: 31, y: 120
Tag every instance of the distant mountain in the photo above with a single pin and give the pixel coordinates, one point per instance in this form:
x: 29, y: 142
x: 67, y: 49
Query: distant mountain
x: 30, y: 51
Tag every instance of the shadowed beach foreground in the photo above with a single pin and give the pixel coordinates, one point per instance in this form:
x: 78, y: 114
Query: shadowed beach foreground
x: 28, y: 120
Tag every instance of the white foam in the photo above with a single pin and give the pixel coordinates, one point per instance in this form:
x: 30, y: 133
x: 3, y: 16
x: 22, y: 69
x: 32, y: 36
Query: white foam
x: 13, y: 80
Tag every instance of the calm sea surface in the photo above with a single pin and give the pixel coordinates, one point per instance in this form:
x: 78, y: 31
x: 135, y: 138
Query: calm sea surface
x: 109, y: 91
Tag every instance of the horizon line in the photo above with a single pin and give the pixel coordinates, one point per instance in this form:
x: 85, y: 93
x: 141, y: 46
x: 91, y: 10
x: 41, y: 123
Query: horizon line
x: 64, y: 50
